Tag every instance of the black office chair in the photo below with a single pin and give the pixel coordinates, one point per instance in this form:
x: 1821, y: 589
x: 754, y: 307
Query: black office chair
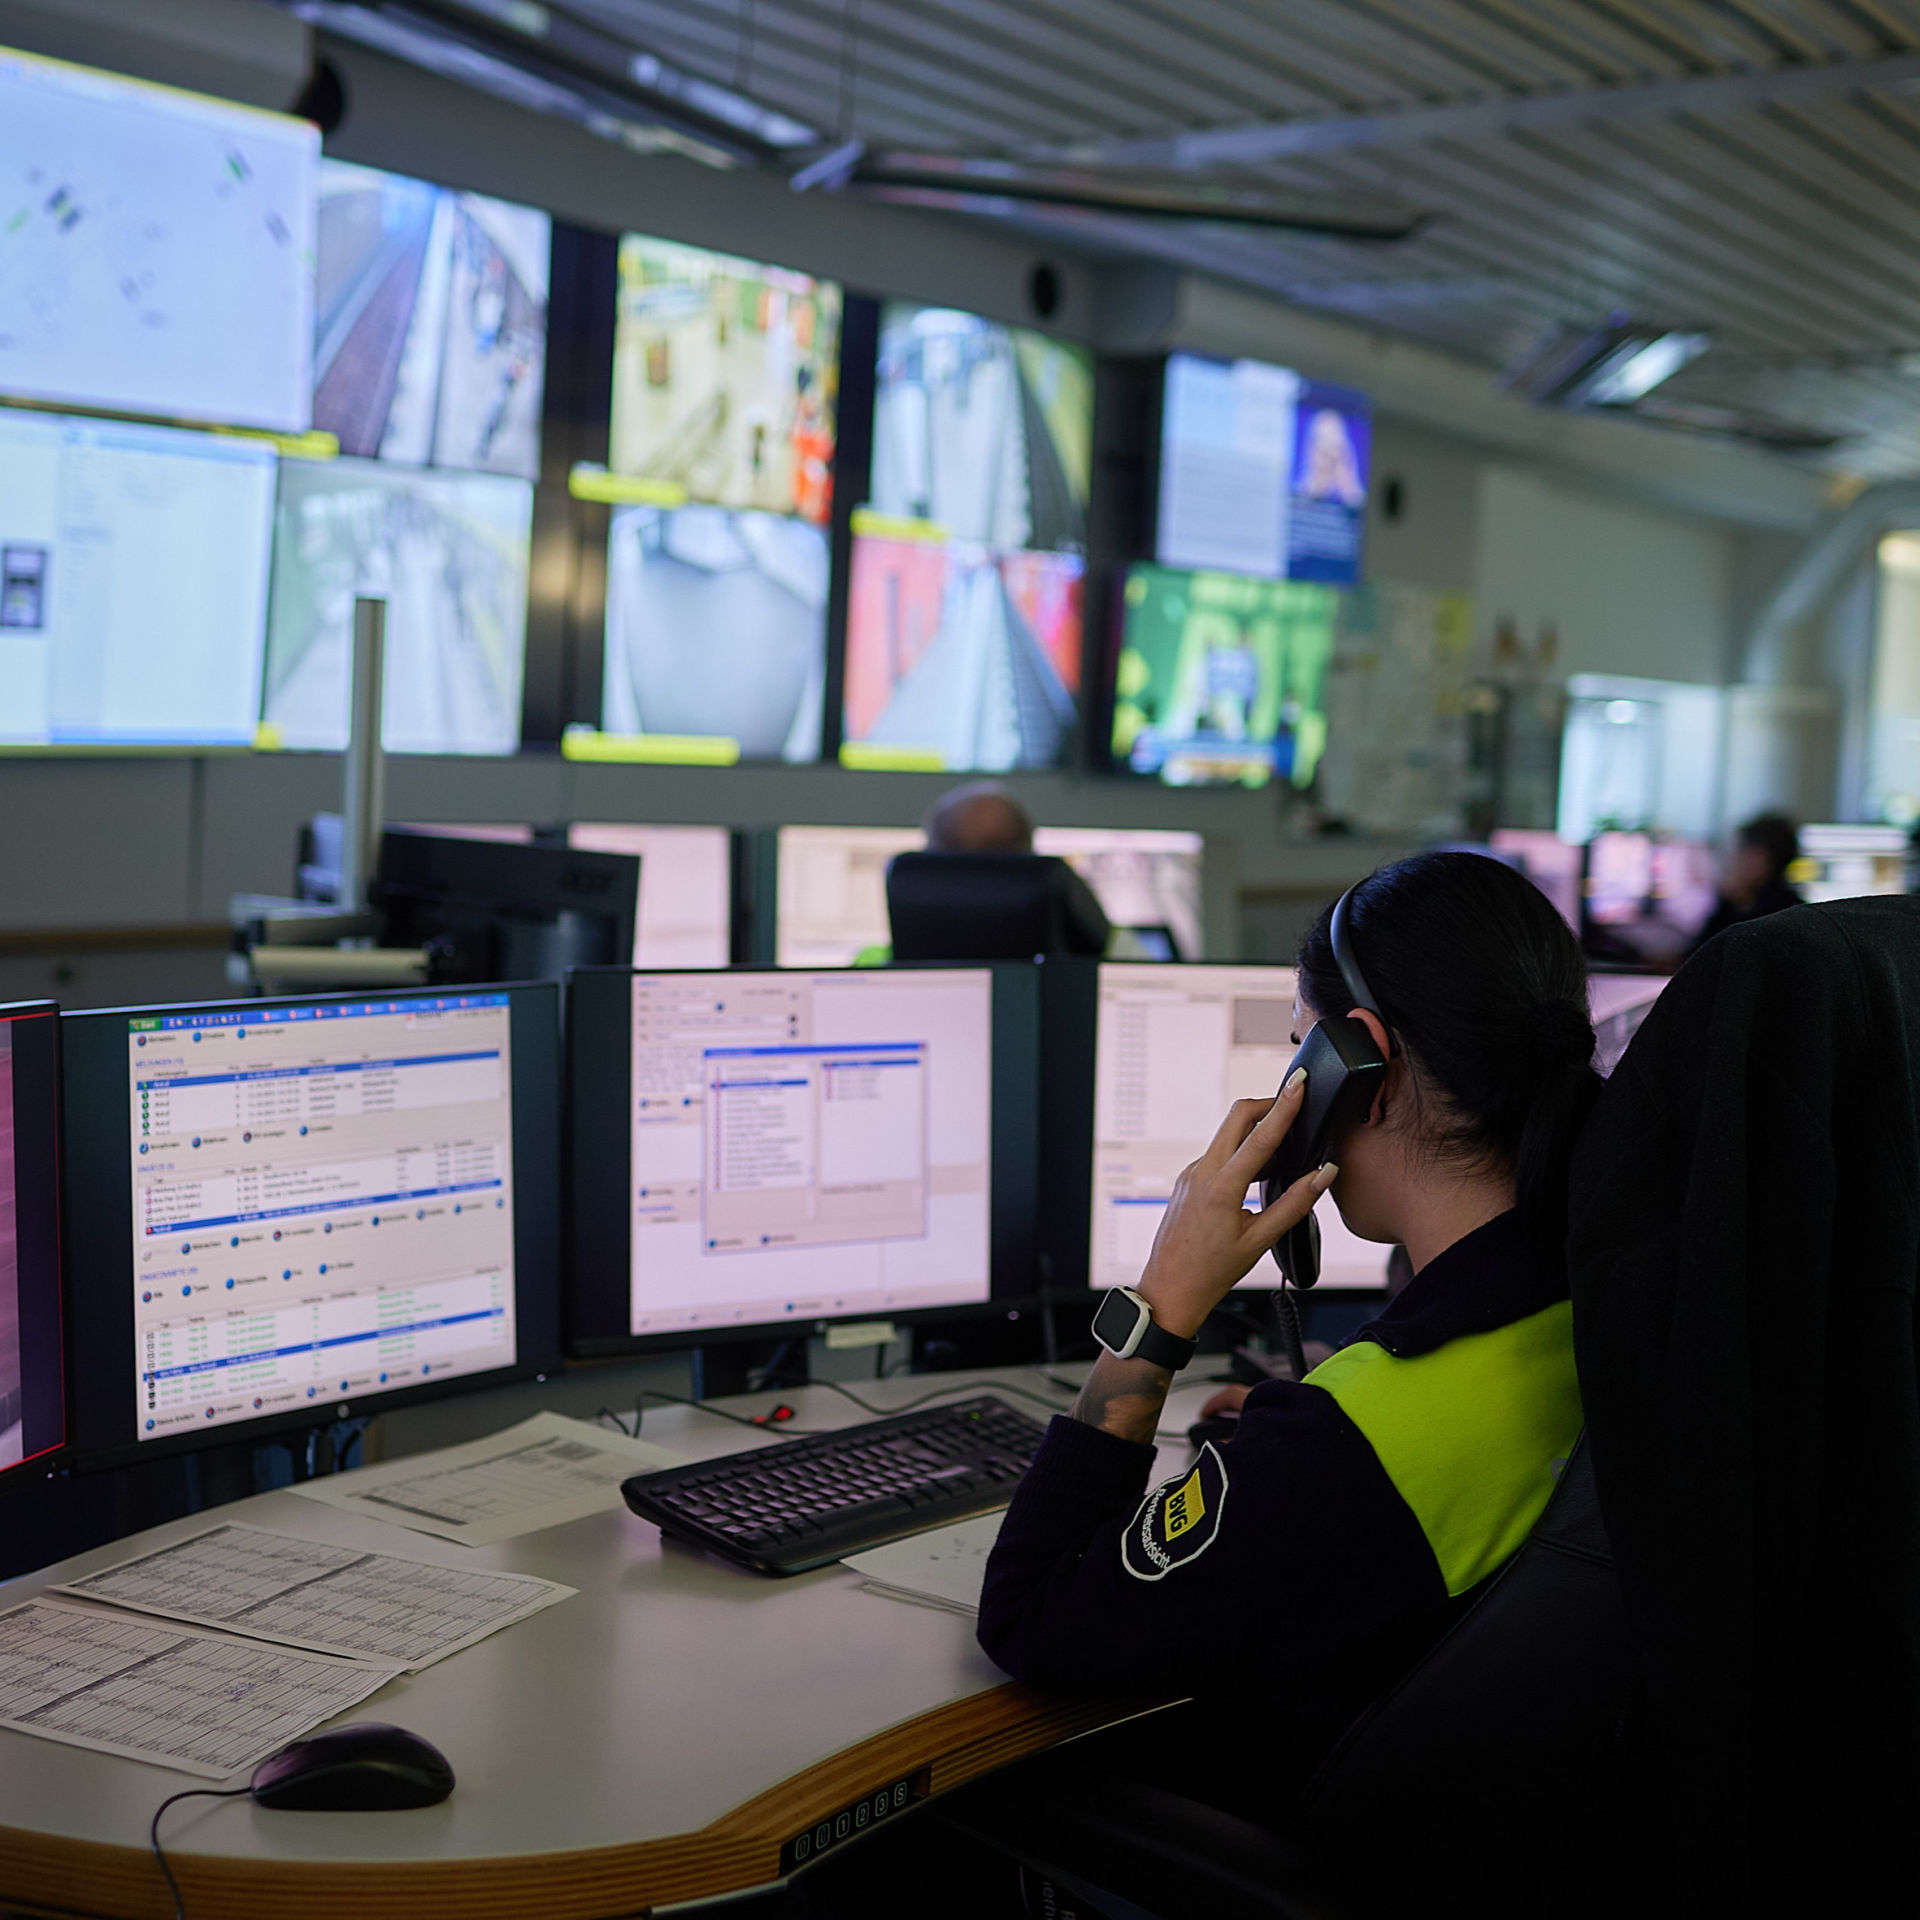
x: 990, y: 906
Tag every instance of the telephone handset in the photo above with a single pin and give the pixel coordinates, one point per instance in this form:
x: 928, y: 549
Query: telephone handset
x: 1345, y: 1069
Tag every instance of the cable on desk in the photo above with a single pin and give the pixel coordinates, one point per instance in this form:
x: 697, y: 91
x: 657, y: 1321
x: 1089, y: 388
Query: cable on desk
x: 153, y: 1833
x: 962, y: 1388
x: 774, y: 1421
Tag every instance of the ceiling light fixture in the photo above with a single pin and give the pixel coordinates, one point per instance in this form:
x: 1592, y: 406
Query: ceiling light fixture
x: 1612, y: 365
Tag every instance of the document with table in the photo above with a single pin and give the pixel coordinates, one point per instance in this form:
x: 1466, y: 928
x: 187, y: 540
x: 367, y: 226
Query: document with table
x: 325, y: 1599
x: 542, y: 1473
x: 203, y: 1703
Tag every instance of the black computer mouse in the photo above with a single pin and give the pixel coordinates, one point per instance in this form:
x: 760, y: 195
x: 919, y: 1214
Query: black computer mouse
x: 1218, y: 1427
x: 366, y: 1767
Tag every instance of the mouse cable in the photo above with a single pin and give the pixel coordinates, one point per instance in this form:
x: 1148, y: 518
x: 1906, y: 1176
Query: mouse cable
x: 947, y: 1393
x: 153, y: 1832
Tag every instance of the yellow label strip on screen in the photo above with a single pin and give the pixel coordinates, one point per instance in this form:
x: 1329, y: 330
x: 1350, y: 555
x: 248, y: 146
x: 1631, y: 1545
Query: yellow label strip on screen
x: 588, y: 482
x: 650, y: 749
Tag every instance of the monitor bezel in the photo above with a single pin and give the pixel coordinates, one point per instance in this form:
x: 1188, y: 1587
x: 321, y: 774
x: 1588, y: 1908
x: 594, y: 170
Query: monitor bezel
x: 597, y: 1099
x: 48, y: 1460
x: 98, y: 1189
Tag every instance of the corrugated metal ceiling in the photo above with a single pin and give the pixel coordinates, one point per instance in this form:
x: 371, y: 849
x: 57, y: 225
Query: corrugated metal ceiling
x: 1789, y: 227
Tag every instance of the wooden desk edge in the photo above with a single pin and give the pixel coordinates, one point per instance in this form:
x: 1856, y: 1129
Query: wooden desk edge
x: 741, y: 1849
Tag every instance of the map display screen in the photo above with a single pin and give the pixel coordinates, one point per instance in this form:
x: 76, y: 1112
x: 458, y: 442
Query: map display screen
x: 156, y: 249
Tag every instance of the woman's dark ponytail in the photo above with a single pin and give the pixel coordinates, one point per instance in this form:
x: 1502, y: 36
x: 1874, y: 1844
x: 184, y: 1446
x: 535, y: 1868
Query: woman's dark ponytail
x: 1483, y: 984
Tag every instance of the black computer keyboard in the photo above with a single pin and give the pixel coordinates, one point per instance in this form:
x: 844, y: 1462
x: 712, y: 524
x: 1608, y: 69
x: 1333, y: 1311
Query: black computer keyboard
x: 803, y: 1503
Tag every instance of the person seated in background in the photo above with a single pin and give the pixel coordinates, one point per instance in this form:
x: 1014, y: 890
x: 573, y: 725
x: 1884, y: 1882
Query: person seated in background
x: 983, y: 817
x: 1371, y: 1501
x: 1756, y: 877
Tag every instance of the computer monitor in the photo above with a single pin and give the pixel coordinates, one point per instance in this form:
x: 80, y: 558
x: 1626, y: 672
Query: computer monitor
x: 1549, y: 862
x: 1146, y: 879
x: 133, y: 579
x: 430, y: 323
x: 726, y: 378
x: 686, y: 889
x: 1261, y: 472
x: 1142, y: 1064
x: 1221, y: 678
x: 982, y: 433
x: 830, y: 885
x: 717, y: 628
x: 1843, y: 863
x: 959, y: 656
x: 287, y: 1212
x: 449, y: 553
x: 1619, y: 878
x: 757, y: 1150
x: 1686, y: 883
x: 159, y: 249
x: 493, y: 910
x: 1618, y: 1003
x: 33, y: 1401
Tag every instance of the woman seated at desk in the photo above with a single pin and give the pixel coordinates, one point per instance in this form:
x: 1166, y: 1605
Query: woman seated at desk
x: 1296, y: 1572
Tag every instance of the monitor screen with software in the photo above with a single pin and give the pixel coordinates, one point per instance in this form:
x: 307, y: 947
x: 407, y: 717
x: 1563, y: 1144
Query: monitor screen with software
x: 158, y: 248
x: 302, y: 1210
x: 33, y: 1415
x: 1174, y: 1048
x: 133, y: 582
x: 831, y: 884
x: 756, y: 1148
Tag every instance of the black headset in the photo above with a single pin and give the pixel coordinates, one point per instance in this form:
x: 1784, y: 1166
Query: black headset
x: 1345, y: 1068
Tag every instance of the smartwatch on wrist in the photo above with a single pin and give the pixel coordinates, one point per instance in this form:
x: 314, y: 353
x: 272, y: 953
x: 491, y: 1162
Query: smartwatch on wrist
x: 1125, y: 1326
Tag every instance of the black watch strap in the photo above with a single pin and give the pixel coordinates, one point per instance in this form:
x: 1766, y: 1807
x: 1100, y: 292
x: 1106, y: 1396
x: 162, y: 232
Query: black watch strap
x: 1164, y: 1349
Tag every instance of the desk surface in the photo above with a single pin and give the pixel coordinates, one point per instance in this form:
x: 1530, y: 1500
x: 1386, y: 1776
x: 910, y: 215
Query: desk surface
x: 654, y: 1739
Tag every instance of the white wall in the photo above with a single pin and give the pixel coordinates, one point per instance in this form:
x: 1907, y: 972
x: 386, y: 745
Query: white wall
x: 1631, y: 589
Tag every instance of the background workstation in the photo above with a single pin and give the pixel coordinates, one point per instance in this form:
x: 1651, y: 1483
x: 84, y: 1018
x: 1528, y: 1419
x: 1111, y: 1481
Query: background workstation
x: 944, y: 499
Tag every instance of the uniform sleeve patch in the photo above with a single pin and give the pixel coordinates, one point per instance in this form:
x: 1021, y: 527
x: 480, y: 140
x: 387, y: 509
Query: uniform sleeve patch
x: 1177, y: 1521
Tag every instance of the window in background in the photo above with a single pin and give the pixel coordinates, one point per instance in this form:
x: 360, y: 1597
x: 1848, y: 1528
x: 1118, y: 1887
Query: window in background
x: 717, y: 628
x: 1893, y: 747
x: 1221, y: 677
x: 1639, y: 754
x: 430, y: 325
x: 133, y: 582
x: 449, y: 553
x: 1261, y: 472
x: 725, y: 378
x: 156, y: 248
x: 965, y: 610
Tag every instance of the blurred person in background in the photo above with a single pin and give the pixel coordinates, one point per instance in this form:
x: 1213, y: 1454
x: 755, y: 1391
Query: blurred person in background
x: 1755, y: 882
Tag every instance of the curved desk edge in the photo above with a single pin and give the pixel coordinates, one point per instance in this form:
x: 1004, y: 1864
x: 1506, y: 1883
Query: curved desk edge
x: 743, y: 1849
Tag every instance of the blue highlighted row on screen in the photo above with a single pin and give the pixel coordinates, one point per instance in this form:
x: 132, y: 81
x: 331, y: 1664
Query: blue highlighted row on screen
x: 307, y: 1073
x: 855, y: 1046
x: 282, y: 1016
x: 322, y: 1206
x: 319, y: 1346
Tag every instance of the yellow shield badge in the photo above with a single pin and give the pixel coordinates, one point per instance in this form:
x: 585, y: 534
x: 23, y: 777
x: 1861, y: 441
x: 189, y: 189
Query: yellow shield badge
x: 1177, y: 1521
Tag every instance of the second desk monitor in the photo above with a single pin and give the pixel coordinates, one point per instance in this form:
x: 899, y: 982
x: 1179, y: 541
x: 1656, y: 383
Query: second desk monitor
x: 286, y: 1212
x: 1172, y: 1049
x: 757, y: 1150
x: 830, y: 884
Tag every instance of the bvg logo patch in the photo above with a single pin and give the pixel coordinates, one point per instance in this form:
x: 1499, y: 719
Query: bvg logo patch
x: 1177, y: 1521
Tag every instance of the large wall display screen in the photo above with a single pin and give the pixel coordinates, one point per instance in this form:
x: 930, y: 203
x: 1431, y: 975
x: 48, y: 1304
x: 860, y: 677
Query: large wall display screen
x: 430, y: 342
x: 960, y: 655
x: 156, y: 249
x: 133, y: 582
x: 1222, y: 677
x: 1261, y: 471
x: 725, y: 378
x: 322, y: 1204
x: 982, y: 430
x: 449, y: 552
x: 717, y: 627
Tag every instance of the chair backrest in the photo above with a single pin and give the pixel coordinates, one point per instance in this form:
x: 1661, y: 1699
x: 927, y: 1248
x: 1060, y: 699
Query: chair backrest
x: 980, y: 906
x: 1478, y: 1783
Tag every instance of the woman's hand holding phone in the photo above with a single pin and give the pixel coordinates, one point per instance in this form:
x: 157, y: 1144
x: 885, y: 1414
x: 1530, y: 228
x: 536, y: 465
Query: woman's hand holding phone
x: 1209, y: 1242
